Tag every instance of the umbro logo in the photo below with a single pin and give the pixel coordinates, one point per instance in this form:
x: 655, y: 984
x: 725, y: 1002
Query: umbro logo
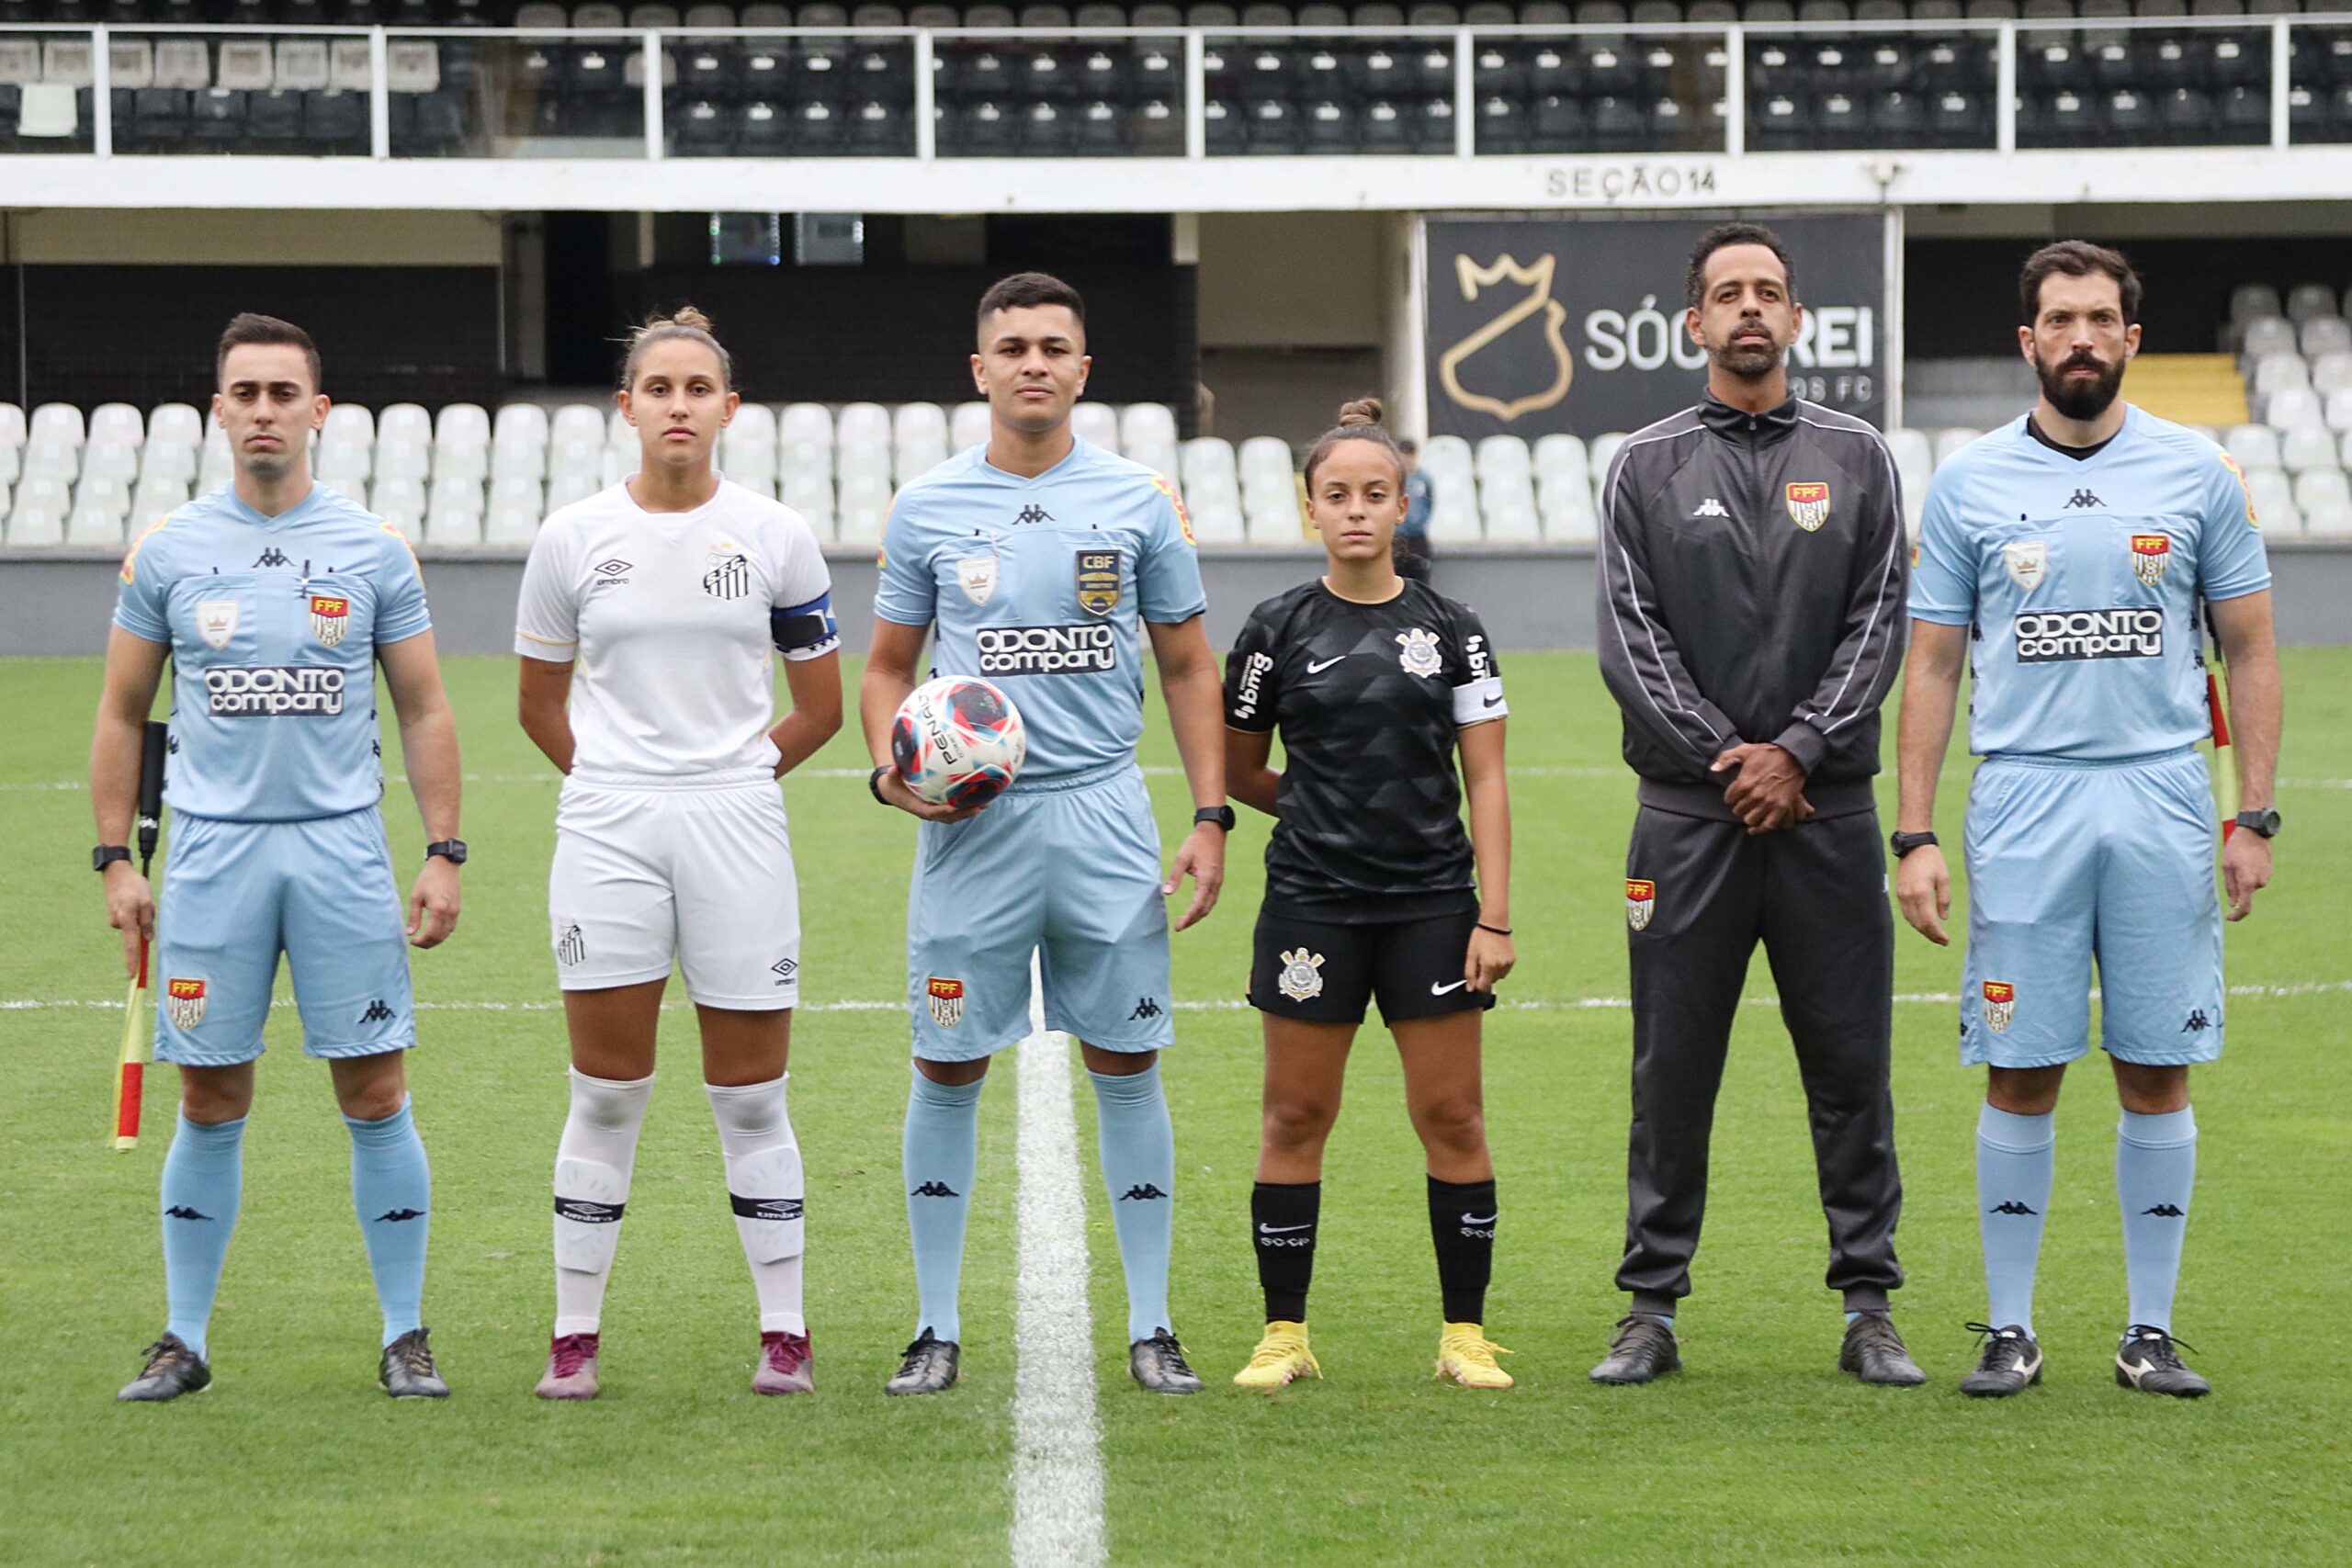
x: 766, y: 1208
x: 181, y: 1211
x: 1145, y: 1191
x: 934, y: 1190
x: 2166, y: 1212
x: 1147, y: 1007
x: 1033, y: 515
x: 377, y: 1012
x: 1711, y: 507
x: 588, y: 1212
x: 2084, y: 499
x: 613, y: 568
x: 2198, y: 1024
x: 272, y: 556
x: 2011, y: 1206
x: 784, y: 969
x: 394, y: 1216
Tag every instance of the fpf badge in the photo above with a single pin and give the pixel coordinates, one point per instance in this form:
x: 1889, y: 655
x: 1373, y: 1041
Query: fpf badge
x: 1098, y: 581
x: 2151, y: 553
x: 2000, y: 1002
x: 330, y: 617
x: 183, y: 1000
x: 1808, y: 505
x: 946, y: 998
x: 1641, y: 901
x: 1537, y: 301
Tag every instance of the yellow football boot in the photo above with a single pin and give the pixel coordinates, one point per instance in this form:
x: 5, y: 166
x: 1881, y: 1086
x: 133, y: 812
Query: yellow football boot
x: 1279, y: 1357
x: 1468, y: 1356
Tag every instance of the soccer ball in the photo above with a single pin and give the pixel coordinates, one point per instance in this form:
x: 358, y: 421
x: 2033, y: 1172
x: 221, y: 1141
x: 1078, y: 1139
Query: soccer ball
x: 959, y: 742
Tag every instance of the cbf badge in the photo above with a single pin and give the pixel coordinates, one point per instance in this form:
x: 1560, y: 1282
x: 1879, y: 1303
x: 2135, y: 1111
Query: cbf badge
x: 976, y: 575
x: 1808, y: 505
x: 1421, y: 655
x: 1302, y: 976
x: 330, y: 617
x: 216, y: 621
x: 1098, y: 581
x: 946, y: 997
x: 1641, y: 900
x: 2001, y: 1002
x: 2151, y: 553
x: 183, y: 1000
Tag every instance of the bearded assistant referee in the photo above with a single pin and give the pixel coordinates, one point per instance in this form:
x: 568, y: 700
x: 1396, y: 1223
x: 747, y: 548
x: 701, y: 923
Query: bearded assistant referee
x: 1751, y: 622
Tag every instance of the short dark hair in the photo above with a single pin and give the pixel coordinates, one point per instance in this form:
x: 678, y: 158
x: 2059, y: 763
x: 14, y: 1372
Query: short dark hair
x: 249, y: 328
x: 2077, y: 258
x: 1024, y: 288
x: 1694, y: 284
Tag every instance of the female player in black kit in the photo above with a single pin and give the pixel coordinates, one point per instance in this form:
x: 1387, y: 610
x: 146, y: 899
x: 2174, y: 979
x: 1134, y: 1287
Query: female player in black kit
x: 1375, y: 682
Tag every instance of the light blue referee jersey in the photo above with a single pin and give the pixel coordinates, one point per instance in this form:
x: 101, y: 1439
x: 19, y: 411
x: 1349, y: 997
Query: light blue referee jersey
x: 1040, y: 585
x: 2081, y: 578
x: 273, y: 623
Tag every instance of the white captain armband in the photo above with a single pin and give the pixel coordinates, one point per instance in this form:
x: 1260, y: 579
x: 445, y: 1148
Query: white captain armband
x: 804, y: 631
x: 1475, y: 702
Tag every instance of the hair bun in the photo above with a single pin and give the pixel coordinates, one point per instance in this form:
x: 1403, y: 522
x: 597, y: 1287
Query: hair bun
x: 1363, y: 411
x: 684, y: 316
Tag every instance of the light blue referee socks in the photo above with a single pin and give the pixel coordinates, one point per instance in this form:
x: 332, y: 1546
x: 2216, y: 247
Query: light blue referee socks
x: 2155, y: 1166
x: 1139, y: 1150
x: 942, y: 1151
x: 204, y: 1176
x: 391, y: 1187
x: 2015, y: 1157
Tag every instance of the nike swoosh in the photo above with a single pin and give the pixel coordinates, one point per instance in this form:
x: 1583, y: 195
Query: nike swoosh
x: 1493, y: 701
x: 1480, y: 1219
x: 1437, y: 991
x: 1318, y: 669
x: 1265, y: 1229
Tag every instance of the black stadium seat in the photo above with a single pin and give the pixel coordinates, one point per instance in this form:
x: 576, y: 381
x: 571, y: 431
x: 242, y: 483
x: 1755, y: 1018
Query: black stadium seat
x: 217, y: 115
x: 159, y: 118
x: 335, y: 122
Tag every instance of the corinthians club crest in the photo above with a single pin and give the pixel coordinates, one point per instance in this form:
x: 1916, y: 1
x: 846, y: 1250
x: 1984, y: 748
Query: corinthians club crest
x: 1537, y: 305
x: 183, y: 1000
x: 1641, y: 902
x: 1302, y: 976
x: 1421, y: 655
x: 2001, y: 1002
x: 330, y: 617
x: 1808, y: 505
x: 946, y: 998
x: 2151, y: 553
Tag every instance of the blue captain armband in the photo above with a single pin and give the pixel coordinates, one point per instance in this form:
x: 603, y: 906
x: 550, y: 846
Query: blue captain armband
x: 804, y: 631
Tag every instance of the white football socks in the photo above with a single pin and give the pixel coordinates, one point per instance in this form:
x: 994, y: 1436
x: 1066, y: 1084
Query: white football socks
x: 765, y: 1189
x: 592, y: 1171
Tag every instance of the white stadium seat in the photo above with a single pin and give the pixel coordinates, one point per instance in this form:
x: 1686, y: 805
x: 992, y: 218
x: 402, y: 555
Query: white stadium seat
x: 863, y: 425
x: 1501, y: 455
x: 512, y: 519
x: 2292, y: 406
x: 346, y: 465
x: 155, y: 498
x: 214, y: 469
x: 1561, y: 456
x: 1603, y: 452
x: 921, y: 425
x: 519, y: 425
x: 861, y: 459
x: 403, y: 460
x: 1158, y: 456
x: 2332, y: 372
x: 1096, y: 424
x: 865, y: 504
x: 348, y: 68
x: 2270, y: 334
x: 461, y: 460
x: 349, y: 421
x: 55, y: 459
x: 176, y: 424
x: 116, y: 423
x: 617, y: 428
x: 11, y: 425
x: 2305, y: 448
x: 302, y: 65
x: 2308, y: 299
x: 968, y: 425
x: 12, y: 459
x: 185, y: 64
x: 753, y: 422
x: 2322, y: 491
x: 1146, y: 424
x: 400, y: 502
x: 461, y: 423
x: 2254, y: 445
x: 110, y: 461
x: 577, y: 422
x: 1263, y: 457
x: 130, y: 63
x: 2330, y: 334
x: 912, y: 461
x: 805, y: 422
x: 56, y: 421
x: 748, y: 458
x: 2273, y: 496
x: 2253, y: 301
x: 167, y: 462
x: 2275, y: 372
x: 405, y: 423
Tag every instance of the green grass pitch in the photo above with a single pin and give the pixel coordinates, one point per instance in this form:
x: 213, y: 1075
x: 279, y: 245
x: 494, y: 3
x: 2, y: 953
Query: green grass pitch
x: 1759, y: 1453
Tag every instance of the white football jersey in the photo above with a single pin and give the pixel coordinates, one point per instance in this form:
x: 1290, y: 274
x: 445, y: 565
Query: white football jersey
x: 668, y: 617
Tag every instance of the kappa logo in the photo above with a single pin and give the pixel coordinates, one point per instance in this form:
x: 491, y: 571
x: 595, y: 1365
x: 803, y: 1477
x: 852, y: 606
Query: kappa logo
x: 784, y: 969
x: 1302, y: 976
x: 1141, y: 1192
x: 727, y: 574
x: 2198, y: 1024
x: 946, y: 998
x: 2166, y: 1212
x: 1147, y: 1007
x: 1808, y: 505
x: 2000, y: 1005
x: 330, y: 617
x: 934, y: 1190
x: 399, y: 1216
x: 2011, y: 1206
x: 571, y: 947
x: 1421, y: 655
x: 216, y: 621
x: 181, y: 1211
x: 1032, y: 513
x: 1711, y: 507
x: 2151, y: 553
x: 2082, y: 500
x: 271, y: 557
x: 184, y: 1001
x: 377, y: 1012
x: 1641, y: 902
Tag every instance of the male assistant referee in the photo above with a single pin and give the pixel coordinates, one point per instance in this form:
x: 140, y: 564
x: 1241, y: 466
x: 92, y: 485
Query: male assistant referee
x: 1751, y: 591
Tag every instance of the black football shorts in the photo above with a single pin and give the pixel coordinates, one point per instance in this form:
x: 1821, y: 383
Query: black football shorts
x: 1327, y: 972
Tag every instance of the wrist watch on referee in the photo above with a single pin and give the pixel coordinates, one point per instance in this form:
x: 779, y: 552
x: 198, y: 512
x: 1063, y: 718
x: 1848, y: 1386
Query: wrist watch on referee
x: 2264, y: 822
x: 1222, y: 816
x: 452, y: 850
x: 1903, y: 844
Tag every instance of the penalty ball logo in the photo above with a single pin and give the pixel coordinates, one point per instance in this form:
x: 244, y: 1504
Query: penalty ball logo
x: 946, y: 1001
x: 1302, y: 976
x: 2000, y: 1002
x: 183, y: 1000
x: 1641, y: 900
x: 2151, y: 553
x: 330, y: 617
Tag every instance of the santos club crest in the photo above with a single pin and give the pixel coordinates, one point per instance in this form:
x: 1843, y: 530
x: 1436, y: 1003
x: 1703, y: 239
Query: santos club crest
x: 183, y: 1000
x: 727, y: 574
x: 330, y: 617
x: 1808, y: 505
x: 946, y: 1001
x: 1302, y: 976
x: 2001, y: 1002
x: 2151, y: 553
x: 1543, y: 315
x: 1641, y: 900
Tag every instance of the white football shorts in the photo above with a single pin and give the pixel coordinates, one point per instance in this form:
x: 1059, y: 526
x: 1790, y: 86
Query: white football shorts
x: 695, y: 870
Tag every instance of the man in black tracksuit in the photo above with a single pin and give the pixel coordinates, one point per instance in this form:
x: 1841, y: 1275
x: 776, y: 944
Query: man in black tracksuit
x: 1751, y: 580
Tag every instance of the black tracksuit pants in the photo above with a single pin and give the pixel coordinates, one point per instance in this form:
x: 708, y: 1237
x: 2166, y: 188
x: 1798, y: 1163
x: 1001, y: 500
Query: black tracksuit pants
x: 1815, y: 895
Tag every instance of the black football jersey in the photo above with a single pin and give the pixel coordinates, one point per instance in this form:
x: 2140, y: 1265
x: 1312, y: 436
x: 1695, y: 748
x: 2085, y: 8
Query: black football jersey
x: 1368, y: 698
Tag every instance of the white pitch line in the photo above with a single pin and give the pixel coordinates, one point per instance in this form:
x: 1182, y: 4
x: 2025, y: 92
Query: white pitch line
x: 1057, y: 1442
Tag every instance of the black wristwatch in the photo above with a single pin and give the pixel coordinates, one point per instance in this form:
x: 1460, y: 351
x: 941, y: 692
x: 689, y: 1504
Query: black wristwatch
x: 1220, y: 814
x: 2264, y: 822
x: 452, y: 850
x: 1903, y: 844
x: 106, y: 855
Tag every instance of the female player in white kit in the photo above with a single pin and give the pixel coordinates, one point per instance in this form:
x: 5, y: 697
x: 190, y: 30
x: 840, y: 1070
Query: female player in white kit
x: 665, y: 594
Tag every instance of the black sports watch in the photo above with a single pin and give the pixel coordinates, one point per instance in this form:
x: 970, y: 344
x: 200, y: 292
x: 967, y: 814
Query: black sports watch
x: 452, y: 850
x: 1903, y: 844
x: 2264, y: 822
x: 1220, y: 814
x: 106, y: 855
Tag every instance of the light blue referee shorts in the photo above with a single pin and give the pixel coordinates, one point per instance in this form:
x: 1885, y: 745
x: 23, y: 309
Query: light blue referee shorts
x: 238, y: 894
x: 1069, y: 871
x: 2071, y: 862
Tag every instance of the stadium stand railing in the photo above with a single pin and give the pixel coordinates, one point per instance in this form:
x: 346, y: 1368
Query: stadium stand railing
x: 421, y: 78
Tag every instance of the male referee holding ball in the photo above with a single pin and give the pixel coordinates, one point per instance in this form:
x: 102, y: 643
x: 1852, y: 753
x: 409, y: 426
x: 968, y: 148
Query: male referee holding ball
x: 1751, y: 622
